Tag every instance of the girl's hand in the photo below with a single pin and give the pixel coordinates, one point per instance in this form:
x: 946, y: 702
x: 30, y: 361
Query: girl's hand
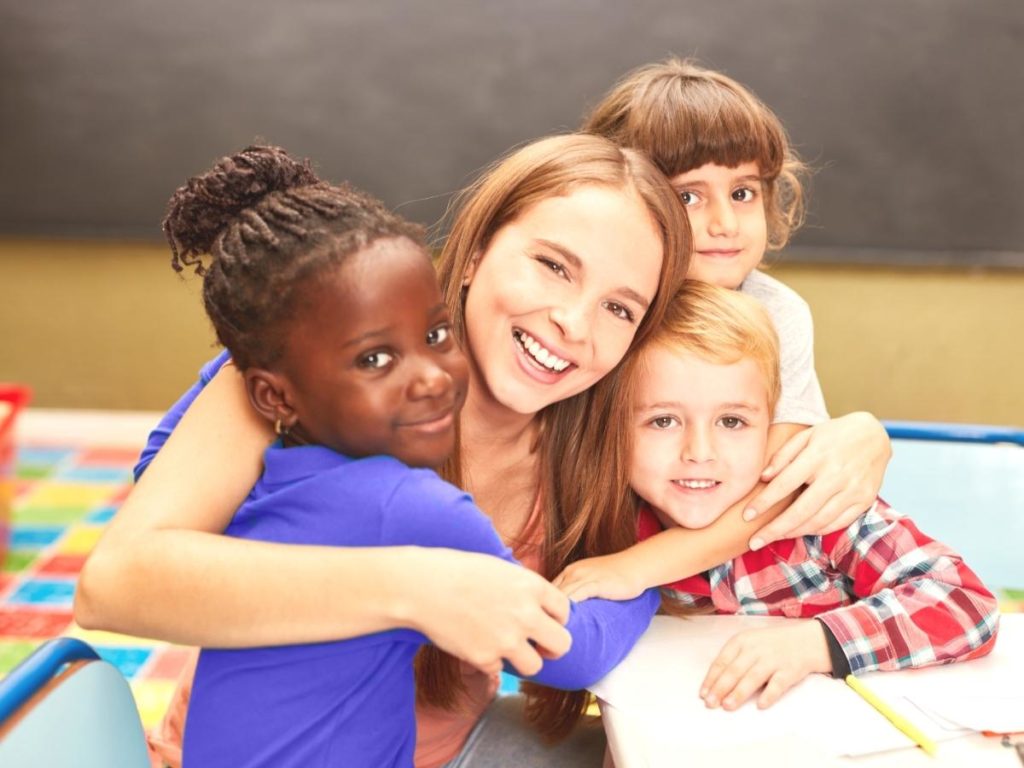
x: 774, y: 658
x: 841, y: 462
x: 485, y: 610
x: 609, y: 577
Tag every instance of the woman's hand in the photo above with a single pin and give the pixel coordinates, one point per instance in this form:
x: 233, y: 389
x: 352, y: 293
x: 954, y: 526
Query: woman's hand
x: 841, y: 462
x: 609, y: 577
x: 485, y: 610
x: 774, y: 658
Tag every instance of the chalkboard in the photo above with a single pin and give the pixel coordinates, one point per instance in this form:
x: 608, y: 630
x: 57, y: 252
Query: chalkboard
x: 912, y: 110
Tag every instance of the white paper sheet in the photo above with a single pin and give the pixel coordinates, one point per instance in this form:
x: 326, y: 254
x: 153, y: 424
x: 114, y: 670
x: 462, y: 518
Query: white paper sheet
x: 657, y: 686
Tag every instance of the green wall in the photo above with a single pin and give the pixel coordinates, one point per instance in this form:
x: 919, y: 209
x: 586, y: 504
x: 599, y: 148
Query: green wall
x: 109, y: 325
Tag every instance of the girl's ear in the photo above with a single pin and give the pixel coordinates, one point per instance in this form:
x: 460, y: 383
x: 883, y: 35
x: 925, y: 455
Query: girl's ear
x: 270, y: 394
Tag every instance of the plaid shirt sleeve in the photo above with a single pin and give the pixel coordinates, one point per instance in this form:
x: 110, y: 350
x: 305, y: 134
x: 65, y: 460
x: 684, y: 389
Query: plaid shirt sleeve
x: 918, y: 603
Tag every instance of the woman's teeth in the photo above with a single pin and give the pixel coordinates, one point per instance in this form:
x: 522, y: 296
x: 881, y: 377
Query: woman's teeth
x: 543, y: 356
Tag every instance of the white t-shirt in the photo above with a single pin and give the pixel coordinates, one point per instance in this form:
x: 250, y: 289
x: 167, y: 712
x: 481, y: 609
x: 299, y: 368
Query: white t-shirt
x: 801, y: 401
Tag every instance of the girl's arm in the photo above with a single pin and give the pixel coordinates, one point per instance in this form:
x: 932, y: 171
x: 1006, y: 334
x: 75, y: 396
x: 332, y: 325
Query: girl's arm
x: 840, y: 464
x: 163, y: 570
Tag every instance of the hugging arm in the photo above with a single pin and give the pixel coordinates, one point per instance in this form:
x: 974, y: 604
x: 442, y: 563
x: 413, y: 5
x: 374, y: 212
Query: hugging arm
x: 163, y: 569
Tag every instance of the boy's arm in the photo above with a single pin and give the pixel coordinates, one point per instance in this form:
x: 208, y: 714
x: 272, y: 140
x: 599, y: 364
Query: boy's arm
x: 919, y: 602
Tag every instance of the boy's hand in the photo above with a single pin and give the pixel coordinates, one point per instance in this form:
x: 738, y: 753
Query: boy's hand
x: 774, y: 658
x: 608, y: 576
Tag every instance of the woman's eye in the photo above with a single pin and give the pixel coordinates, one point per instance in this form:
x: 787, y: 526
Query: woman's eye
x: 664, y: 422
x: 439, y: 335
x: 554, y: 266
x: 732, y: 422
x: 376, y: 360
x: 688, y: 197
x: 744, y: 195
x: 620, y: 311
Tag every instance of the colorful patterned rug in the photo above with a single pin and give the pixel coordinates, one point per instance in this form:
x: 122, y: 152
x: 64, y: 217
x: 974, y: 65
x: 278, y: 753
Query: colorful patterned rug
x: 63, y: 496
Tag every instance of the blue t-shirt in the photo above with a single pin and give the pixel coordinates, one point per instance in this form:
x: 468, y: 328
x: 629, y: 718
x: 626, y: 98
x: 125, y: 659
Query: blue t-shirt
x: 351, y: 702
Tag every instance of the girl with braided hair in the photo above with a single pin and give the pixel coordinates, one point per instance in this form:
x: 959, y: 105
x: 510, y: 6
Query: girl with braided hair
x: 560, y: 258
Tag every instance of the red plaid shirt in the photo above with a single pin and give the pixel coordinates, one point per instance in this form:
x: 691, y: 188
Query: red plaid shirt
x: 891, y: 596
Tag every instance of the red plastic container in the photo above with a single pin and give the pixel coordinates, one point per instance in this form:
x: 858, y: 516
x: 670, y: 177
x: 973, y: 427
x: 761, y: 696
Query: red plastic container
x: 13, y: 398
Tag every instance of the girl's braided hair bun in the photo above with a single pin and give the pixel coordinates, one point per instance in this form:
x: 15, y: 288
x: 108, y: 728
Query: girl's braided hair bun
x: 202, y: 210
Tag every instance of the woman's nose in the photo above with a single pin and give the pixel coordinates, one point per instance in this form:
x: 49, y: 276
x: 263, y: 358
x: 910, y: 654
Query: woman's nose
x: 573, y: 320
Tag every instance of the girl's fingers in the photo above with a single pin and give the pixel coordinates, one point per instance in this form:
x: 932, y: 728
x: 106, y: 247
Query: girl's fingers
x: 786, y: 454
x: 789, y: 478
x: 555, y: 603
x: 525, y: 659
x: 813, y: 499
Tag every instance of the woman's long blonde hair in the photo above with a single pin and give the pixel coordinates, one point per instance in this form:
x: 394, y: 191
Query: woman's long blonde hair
x: 571, y: 468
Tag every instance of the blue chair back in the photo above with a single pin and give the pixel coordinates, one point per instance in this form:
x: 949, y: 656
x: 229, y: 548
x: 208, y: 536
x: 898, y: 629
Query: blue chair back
x: 964, y: 485
x: 63, y: 706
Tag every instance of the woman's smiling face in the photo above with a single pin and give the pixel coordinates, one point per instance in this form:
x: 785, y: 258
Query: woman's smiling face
x: 556, y: 298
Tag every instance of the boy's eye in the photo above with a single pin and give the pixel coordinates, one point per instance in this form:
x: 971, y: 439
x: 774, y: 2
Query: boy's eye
x: 744, y: 195
x: 620, y: 311
x: 664, y: 422
x: 376, y: 360
x: 439, y: 335
x: 731, y: 422
x: 688, y: 197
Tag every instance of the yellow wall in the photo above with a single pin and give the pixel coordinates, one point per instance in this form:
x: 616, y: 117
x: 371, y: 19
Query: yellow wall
x: 109, y: 325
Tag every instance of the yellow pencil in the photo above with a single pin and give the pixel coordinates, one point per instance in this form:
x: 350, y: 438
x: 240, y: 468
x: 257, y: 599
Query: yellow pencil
x: 912, y: 731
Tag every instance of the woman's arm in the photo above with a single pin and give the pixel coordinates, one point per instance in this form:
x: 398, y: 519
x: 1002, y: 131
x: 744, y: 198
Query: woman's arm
x: 163, y: 570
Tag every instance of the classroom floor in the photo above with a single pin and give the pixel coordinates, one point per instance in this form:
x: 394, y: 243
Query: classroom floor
x: 72, y: 471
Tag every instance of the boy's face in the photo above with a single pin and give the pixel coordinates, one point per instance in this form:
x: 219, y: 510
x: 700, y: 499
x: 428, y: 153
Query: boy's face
x: 371, y: 361
x: 730, y: 231
x: 699, y: 434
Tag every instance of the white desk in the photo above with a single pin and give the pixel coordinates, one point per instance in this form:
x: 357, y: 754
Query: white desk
x: 671, y: 665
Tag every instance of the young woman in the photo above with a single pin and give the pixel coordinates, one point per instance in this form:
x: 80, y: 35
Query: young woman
x: 559, y: 258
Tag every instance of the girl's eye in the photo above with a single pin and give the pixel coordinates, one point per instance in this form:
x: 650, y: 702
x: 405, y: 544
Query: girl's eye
x: 620, y: 311
x: 744, y: 195
x: 731, y: 422
x: 554, y: 266
x: 376, y: 360
x: 439, y: 335
x: 664, y: 422
x: 688, y: 197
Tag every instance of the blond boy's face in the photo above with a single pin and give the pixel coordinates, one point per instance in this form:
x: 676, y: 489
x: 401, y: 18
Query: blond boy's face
x: 730, y: 230
x: 700, y: 432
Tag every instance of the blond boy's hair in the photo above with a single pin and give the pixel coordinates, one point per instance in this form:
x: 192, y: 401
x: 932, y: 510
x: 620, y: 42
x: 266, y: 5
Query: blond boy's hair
x: 684, y: 116
x: 721, y: 327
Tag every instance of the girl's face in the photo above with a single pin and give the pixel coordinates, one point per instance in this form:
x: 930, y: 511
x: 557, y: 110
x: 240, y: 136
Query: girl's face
x: 699, y: 435
x: 555, y: 300
x: 730, y: 230
x: 370, y: 359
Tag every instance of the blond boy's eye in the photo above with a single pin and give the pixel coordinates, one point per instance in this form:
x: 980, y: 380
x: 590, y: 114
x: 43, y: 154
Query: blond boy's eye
x: 731, y: 422
x: 663, y: 422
